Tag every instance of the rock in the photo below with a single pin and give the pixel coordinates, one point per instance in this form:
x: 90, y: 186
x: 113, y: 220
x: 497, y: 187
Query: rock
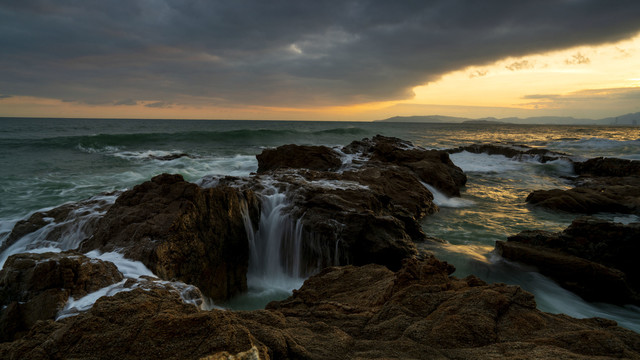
x: 587, y: 200
x: 61, y: 225
x: 341, y: 313
x: 169, y: 157
x: 138, y: 324
x: 369, y: 210
x: 430, y: 166
x: 36, y: 286
x: 319, y: 158
x: 604, y: 185
x: 511, y: 151
x: 603, y: 167
x: 594, y: 258
x: 181, y: 231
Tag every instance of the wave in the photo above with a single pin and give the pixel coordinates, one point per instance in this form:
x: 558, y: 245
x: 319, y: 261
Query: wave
x: 230, y: 137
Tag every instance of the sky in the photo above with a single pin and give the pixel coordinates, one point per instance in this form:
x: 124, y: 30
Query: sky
x: 319, y: 60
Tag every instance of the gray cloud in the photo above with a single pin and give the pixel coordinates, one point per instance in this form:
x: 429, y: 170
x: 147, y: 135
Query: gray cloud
x: 278, y: 52
x: 577, y: 59
x: 520, y: 65
x: 159, y: 104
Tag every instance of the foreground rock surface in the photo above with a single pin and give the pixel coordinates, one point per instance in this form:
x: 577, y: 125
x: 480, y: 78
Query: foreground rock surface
x: 594, y: 258
x: 342, y: 313
x: 180, y: 231
x: 36, y: 287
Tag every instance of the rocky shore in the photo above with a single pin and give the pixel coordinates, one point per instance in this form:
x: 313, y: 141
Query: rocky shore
x: 354, y: 219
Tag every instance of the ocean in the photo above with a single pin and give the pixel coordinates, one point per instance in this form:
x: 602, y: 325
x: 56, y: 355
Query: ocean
x: 45, y: 163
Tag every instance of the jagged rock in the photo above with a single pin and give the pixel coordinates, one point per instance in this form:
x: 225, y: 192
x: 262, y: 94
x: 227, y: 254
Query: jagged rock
x: 603, y: 167
x: 594, y: 258
x: 585, y: 200
x: 36, y: 286
x: 299, y: 156
x: 430, y: 166
x: 71, y: 219
x: 341, y: 313
x: 511, y: 151
x: 180, y: 231
x: 138, y: 324
x: 604, y: 185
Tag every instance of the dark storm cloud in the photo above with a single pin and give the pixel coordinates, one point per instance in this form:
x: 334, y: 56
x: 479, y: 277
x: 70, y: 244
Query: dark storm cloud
x: 278, y: 52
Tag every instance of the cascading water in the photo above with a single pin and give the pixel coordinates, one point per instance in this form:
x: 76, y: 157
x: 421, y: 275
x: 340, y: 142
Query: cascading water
x: 275, y: 253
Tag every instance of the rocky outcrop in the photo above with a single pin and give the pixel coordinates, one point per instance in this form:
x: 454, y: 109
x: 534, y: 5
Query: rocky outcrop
x: 607, y: 167
x: 319, y: 158
x: 369, y: 210
x: 603, y: 185
x: 518, y: 152
x: 181, y: 231
x: 594, y: 258
x: 341, y: 313
x: 36, y: 287
x: 70, y: 220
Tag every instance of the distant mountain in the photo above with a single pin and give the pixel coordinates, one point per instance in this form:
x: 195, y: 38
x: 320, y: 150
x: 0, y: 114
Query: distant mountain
x: 484, y: 122
x: 426, y: 119
x: 628, y: 119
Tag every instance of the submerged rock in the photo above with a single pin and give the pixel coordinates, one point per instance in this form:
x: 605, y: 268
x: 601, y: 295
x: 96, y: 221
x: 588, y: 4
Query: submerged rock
x: 594, y: 258
x: 341, y: 313
x: 181, y: 231
x: 36, y: 287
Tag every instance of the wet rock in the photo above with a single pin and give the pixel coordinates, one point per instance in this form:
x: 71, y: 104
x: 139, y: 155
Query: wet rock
x: 594, y: 258
x: 430, y: 166
x: 518, y: 152
x: 36, y: 286
x: 299, y: 156
x: 344, y: 312
x: 369, y: 210
x: 603, y: 167
x: 62, y: 224
x: 181, y: 231
x: 169, y: 157
x: 603, y: 185
x: 586, y: 200
x: 138, y: 324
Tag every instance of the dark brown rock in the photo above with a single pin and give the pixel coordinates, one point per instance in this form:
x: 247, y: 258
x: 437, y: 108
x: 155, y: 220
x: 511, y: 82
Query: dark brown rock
x: 319, y: 158
x: 180, y: 231
x: 511, y: 151
x: 586, y: 200
x: 68, y: 220
x: 603, y: 167
x: 593, y: 258
x: 341, y: 313
x: 139, y: 324
x: 604, y: 185
x: 36, y: 286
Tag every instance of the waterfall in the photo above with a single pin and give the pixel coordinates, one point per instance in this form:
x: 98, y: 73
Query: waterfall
x: 275, y: 248
x: 281, y: 253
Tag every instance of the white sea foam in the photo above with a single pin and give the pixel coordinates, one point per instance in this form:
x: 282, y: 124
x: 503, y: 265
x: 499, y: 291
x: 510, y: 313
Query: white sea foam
x: 443, y: 200
x: 68, y: 232
x: 484, y: 163
x: 129, y: 268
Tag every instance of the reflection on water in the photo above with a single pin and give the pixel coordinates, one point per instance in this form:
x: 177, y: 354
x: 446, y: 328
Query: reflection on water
x: 496, y: 209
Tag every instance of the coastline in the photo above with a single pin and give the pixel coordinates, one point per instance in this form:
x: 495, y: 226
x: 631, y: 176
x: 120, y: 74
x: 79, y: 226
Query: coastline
x: 337, y: 184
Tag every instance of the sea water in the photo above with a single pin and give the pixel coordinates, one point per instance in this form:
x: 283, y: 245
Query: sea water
x: 48, y: 162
